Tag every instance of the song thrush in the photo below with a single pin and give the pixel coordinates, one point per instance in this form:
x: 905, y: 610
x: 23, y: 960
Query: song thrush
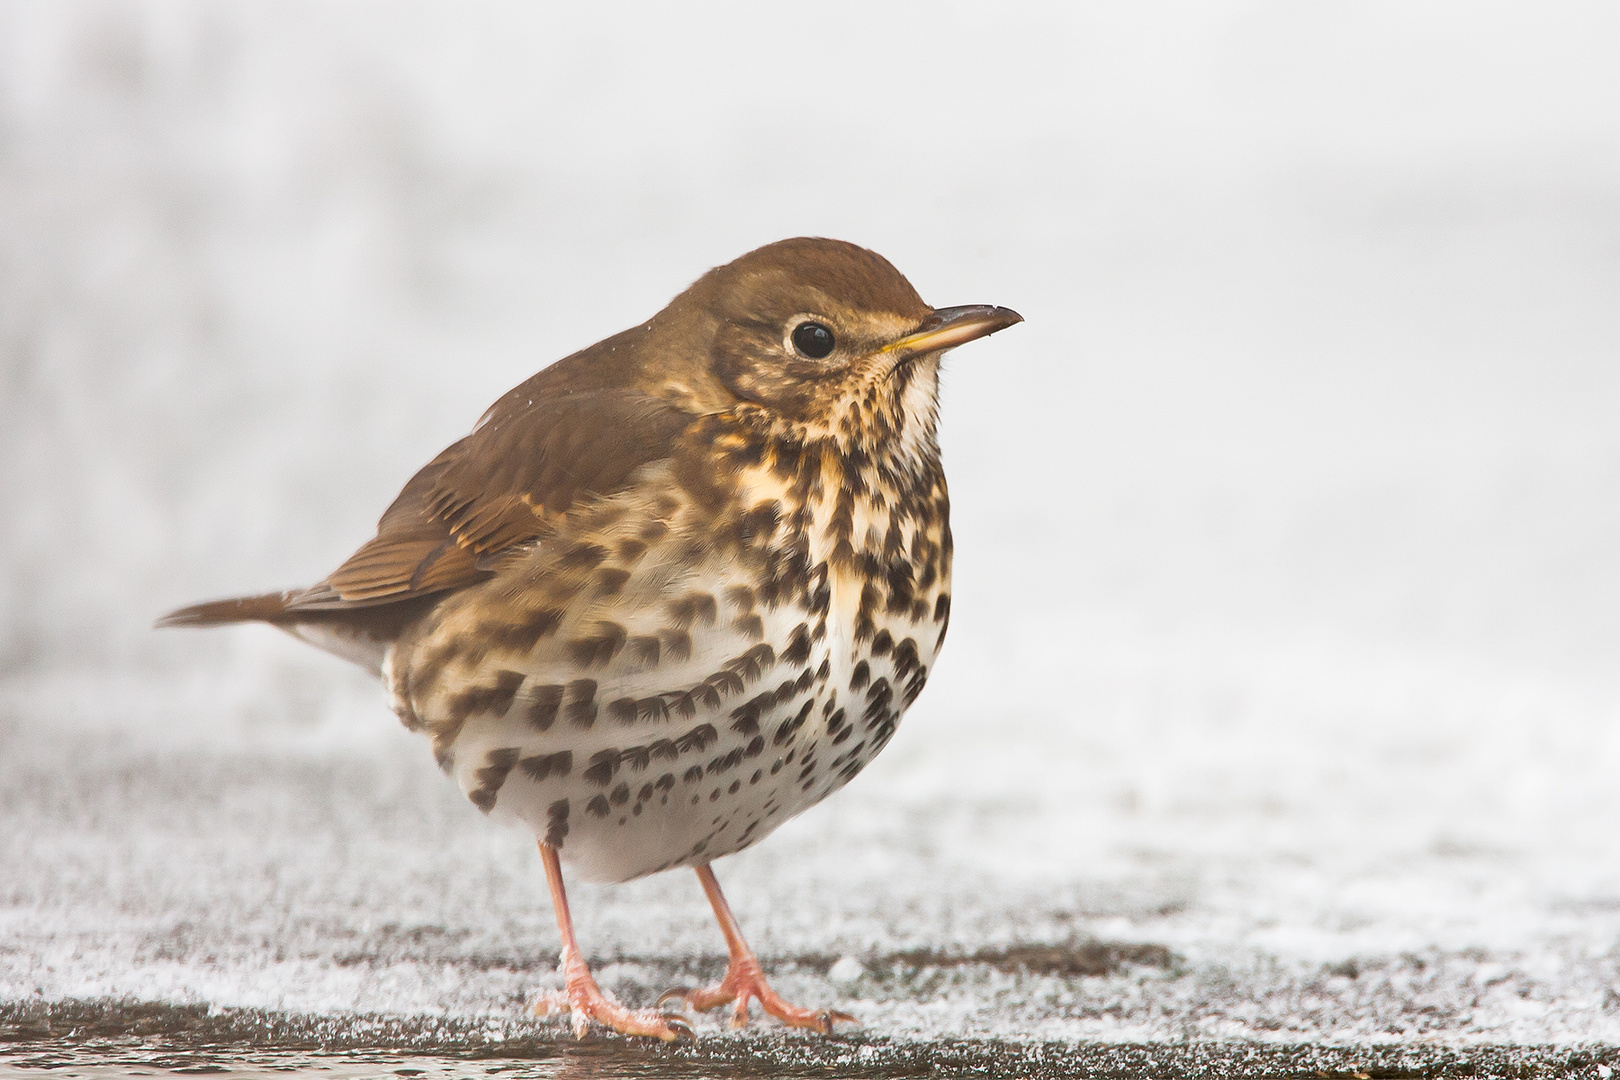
x: 675, y: 588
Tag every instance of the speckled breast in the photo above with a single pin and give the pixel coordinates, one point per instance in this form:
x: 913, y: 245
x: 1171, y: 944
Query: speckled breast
x: 675, y: 671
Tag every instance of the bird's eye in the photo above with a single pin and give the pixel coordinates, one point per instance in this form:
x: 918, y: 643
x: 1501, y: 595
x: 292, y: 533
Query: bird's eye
x: 813, y: 340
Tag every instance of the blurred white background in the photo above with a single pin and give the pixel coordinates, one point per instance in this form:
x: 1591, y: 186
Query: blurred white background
x: 1288, y: 526
x: 1323, y: 300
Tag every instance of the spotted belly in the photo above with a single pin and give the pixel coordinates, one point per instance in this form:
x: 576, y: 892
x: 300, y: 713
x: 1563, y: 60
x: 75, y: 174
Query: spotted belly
x: 712, y: 722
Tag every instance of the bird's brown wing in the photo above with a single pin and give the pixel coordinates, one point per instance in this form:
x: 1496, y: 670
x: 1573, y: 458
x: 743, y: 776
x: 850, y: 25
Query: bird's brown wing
x: 528, y: 460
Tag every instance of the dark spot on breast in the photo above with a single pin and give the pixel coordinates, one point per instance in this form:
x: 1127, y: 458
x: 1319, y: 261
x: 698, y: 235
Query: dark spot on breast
x: 901, y: 589
x: 699, y: 738
x: 600, y: 647
x: 740, y: 597
x: 543, y: 704
x: 582, y: 556
x: 619, y: 795
x: 860, y: 676
x: 942, y: 607
x: 693, y: 775
x: 747, y: 715
x: 798, y: 647
x: 521, y: 637
x: 749, y: 626
x: 581, y: 707
x: 631, y: 550
x: 604, y: 763
x: 869, y: 599
x: 723, y: 682
x: 842, y: 522
x: 753, y: 663
x: 930, y: 574
x: 644, y: 650
x: 820, y: 599
x: 498, y: 763
x: 610, y: 581
x: 725, y: 762
x: 598, y: 806
x: 557, y: 822
x: 914, y: 685
x: 495, y: 699
x: 878, y: 699
x: 788, y: 728
x: 736, y: 785
x: 882, y: 643
x: 905, y: 658
x: 677, y: 643
x: 693, y: 607
x: 540, y: 766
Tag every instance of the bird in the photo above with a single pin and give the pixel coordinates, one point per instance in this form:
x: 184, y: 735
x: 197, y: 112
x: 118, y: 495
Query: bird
x: 672, y: 590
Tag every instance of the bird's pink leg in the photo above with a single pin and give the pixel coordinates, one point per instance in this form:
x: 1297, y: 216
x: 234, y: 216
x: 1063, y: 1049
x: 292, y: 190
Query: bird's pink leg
x: 745, y: 979
x: 580, y: 994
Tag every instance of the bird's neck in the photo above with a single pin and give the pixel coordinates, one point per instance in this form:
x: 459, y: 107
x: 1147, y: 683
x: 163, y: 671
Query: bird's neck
x: 882, y: 434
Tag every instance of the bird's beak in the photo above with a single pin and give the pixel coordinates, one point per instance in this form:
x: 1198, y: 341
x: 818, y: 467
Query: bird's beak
x: 949, y: 327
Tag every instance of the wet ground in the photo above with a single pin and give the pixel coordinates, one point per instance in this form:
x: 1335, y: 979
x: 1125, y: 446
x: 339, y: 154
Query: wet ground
x: 195, y: 882
x: 97, y: 1040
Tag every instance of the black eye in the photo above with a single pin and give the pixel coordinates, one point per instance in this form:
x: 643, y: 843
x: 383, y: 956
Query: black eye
x: 813, y: 340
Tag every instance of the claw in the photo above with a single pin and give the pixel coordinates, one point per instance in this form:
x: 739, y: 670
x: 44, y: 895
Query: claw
x: 682, y: 994
x: 827, y: 1016
x: 744, y: 980
x: 585, y: 1003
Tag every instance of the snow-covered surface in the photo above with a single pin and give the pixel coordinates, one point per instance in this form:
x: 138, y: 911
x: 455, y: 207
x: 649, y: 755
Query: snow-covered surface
x: 1288, y: 598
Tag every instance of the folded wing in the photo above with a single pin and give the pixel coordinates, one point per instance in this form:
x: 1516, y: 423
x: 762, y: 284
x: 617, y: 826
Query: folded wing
x: 528, y: 460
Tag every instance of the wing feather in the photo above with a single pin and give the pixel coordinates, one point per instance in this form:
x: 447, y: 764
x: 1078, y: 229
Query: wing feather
x: 535, y: 455
x: 496, y: 489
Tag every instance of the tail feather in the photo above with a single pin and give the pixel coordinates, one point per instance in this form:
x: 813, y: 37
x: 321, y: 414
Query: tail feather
x: 271, y: 608
x: 361, y: 633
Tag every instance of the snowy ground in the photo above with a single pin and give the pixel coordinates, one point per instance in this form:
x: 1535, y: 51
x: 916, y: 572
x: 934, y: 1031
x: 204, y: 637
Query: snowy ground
x: 1280, y: 702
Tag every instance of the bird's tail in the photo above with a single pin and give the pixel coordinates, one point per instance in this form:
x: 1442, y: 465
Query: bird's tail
x: 270, y: 608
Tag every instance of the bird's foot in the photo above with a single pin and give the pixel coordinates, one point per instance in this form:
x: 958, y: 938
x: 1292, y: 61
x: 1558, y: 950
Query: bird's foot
x: 586, y: 1001
x: 745, y: 981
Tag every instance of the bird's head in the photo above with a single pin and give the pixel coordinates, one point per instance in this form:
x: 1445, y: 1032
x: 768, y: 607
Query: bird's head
x: 821, y: 333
